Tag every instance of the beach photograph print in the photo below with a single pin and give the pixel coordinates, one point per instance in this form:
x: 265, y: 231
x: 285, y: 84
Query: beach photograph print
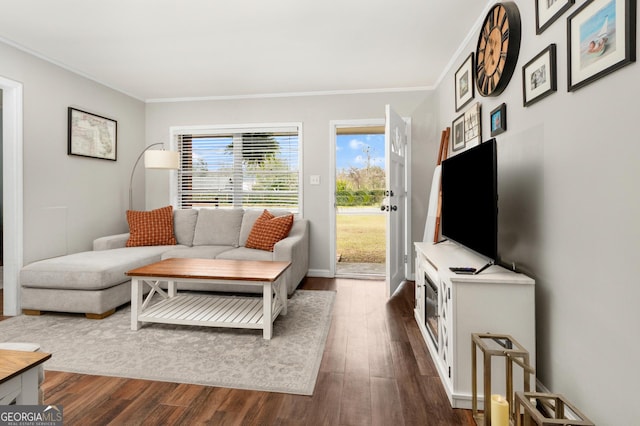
x: 598, y: 35
x: 599, y: 40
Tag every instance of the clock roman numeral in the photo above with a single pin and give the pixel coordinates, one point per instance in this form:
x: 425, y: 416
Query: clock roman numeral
x: 504, y: 19
x: 505, y: 35
x: 487, y: 85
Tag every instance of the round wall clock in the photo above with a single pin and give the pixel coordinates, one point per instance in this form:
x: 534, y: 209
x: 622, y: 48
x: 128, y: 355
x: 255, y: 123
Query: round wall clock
x: 498, y: 48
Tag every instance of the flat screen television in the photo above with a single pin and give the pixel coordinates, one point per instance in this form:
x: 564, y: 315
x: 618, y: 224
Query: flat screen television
x: 469, y: 213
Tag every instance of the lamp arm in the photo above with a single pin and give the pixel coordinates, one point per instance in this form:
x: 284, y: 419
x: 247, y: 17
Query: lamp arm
x: 133, y: 171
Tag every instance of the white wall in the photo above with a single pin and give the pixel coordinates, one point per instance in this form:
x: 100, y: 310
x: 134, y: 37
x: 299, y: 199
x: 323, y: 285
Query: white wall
x: 315, y: 112
x: 70, y: 200
x: 569, y: 174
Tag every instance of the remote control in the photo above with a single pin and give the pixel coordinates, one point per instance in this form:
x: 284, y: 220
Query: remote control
x: 462, y: 270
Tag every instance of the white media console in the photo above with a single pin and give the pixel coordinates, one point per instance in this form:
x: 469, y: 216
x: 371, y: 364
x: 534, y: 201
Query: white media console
x: 494, y: 301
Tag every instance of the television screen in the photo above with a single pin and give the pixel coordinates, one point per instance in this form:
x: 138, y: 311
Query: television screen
x: 470, y: 199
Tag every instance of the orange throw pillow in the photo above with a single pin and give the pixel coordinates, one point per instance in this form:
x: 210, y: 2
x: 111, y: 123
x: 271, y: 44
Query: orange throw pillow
x: 152, y: 228
x: 268, y: 230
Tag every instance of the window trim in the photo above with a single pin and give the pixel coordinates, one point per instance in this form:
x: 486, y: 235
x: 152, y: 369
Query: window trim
x: 176, y: 131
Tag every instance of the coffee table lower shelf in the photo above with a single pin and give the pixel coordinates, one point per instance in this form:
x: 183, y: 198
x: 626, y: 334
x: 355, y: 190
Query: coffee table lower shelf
x: 211, y: 311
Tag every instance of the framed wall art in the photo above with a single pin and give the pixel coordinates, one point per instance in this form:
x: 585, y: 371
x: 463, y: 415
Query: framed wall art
x: 457, y: 136
x: 548, y: 11
x: 600, y: 40
x: 539, y: 76
x: 473, y: 125
x: 498, y: 120
x: 91, y: 135
x: 464, y: 83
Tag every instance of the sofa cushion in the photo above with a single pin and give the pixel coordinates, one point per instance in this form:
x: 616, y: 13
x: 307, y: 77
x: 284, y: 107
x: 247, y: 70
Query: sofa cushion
x: 184, y: 225
x: 196, y: 252
x: 218, y: 227
x: 151, y: 228
x: 243, y: 253
x: 89, y: 270
x: 268, y: 230
x: 250, y: 217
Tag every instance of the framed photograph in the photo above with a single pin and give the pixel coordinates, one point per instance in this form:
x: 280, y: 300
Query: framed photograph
x: 457, y: 136
x: 473, y: 125
x: 548, y: 11
x: 91, y: 135
x: 539, y: 76
x: 464, y: 87
x: 600, y: 40
x: 498, y: 120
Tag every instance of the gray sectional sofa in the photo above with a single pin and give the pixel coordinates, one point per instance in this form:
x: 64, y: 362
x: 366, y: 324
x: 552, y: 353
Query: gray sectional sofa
x: 94, y: 282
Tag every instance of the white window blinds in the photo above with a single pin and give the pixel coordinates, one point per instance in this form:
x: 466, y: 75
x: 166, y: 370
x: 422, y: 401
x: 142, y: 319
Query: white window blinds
x: 248, y: 167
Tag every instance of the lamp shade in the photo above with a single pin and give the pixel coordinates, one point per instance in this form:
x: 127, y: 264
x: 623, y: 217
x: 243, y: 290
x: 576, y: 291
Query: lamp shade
x: 160, y: 159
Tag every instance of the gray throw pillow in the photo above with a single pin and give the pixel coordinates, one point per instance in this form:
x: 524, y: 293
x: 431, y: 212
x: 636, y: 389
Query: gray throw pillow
x: 184, y: 225
x: 218, y: 227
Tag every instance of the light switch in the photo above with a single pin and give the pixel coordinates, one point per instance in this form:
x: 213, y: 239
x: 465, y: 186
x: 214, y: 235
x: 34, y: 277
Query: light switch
x: 314, y: 179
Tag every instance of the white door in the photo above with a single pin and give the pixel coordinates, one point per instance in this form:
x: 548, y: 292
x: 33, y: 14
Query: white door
x: 396, y: 197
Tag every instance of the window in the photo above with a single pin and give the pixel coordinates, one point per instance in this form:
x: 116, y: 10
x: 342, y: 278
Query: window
x: 249, y: 167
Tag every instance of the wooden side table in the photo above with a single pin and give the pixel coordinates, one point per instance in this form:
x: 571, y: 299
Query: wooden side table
x: 19, y: 376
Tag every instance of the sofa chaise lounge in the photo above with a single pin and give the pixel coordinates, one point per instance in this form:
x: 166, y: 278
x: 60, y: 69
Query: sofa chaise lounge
x: 94, y: 282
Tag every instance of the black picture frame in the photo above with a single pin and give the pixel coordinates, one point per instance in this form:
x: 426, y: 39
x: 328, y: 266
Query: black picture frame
x: 457, y: 134
x: 548, y: 11
x: 601, y: 38
x: 498, y: 120
x: 464, y: 84
x: 91, y: 135
x: 540, y: 76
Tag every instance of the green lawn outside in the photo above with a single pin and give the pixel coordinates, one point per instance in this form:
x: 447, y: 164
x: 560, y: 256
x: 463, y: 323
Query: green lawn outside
x: 361, y: 238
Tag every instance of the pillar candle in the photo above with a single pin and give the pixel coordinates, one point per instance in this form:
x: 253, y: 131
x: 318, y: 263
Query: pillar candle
x: 499, y: 411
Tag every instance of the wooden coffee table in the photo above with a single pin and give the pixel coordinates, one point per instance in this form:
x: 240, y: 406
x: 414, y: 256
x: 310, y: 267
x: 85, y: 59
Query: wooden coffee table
x: 210, y: 310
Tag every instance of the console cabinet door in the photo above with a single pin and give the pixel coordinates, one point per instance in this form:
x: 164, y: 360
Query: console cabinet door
x: 445, y: 323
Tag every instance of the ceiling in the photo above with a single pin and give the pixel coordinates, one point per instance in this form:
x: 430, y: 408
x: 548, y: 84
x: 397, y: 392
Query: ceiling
x: 172, y: 49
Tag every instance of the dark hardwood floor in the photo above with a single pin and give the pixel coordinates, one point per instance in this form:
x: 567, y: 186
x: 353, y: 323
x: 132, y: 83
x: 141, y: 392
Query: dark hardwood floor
x: 375, y: 371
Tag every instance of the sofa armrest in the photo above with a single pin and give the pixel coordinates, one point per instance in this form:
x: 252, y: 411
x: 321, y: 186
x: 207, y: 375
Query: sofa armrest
x: 295, y: 248
x: 110, y: 242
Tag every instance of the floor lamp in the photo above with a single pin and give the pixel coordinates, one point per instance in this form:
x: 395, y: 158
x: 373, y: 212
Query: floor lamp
x: 155, y: 159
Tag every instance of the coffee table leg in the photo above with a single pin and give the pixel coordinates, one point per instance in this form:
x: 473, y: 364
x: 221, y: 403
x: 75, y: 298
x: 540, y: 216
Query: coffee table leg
x: 283, y: 296
x: 267, y: 303
x: 171, y: 288
x: 136, y: 302
x: 29, y: 392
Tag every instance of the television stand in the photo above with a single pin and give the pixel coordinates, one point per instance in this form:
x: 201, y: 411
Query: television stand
x: 498, y: 301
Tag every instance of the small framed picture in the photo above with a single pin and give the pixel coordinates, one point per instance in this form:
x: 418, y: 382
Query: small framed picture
x: 539, y: 76
x: 464, y: 87
x: 457, y: 136
x: 601, y: 39
x: 548, y: 11
x: 91, y: 135
x: 498, y: 120
x: 473, y: 125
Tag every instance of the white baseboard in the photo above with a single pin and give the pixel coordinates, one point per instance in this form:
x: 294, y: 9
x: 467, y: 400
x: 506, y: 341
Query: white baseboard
x: 320, y: 273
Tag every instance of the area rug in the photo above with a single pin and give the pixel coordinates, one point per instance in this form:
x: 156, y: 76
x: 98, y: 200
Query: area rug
x: 233, y: 358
